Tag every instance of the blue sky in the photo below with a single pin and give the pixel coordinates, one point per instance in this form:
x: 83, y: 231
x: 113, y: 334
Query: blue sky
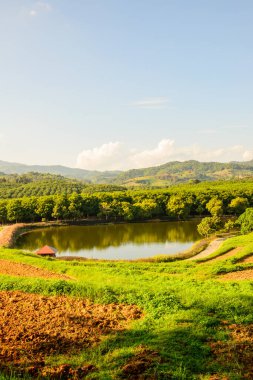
x: 114, y: 84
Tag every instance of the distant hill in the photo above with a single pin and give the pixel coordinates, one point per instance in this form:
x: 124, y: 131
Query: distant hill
x: 175, y: 172
x: 87, y: 175
x: 163, y: 175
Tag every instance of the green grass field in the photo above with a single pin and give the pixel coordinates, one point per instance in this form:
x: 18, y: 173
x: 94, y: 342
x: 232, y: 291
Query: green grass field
x: 184, y: 305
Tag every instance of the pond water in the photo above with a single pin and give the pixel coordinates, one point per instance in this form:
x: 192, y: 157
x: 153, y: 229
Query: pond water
x: 127, y: 241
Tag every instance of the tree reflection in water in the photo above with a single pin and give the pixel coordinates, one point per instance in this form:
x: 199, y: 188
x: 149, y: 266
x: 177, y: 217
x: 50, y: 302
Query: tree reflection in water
x: 73, y: 239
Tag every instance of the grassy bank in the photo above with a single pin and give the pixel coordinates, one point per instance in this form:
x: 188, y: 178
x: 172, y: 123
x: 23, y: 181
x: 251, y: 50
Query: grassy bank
x: 187, y: 313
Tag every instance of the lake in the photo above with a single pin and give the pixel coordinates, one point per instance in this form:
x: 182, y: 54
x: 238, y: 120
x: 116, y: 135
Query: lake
x: 127, y: 241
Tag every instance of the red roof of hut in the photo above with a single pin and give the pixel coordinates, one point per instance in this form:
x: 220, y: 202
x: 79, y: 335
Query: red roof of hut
x: 46, y: 250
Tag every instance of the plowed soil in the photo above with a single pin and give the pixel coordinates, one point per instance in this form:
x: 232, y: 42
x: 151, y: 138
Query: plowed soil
x: 33, y: 327
x: 246, y: 274
x: 138, y: 365
x: 238, y: 350
x: 19, y: 269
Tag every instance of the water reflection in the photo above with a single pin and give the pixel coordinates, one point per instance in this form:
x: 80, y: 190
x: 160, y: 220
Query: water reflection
x: 81, y: 240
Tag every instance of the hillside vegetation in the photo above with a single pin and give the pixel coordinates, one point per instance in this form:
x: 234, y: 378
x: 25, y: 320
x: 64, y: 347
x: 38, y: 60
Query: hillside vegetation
x: 39, y: 184
x: 162, y: 175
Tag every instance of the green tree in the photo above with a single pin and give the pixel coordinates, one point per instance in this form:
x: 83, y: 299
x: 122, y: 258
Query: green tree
x: 146, y: 209
x: 215, y: 206
x: 209, y: 225
x: 14, y: 210
x: 29, y: 205
x: 127, y: 211
x: 75, y: 206
x: 3, y: 211
x: 245, y: 221
x: 61, y: 207
x: 238, y: 205
x: 90, y: 205
x: 178, y: 206
x: 45, y: 207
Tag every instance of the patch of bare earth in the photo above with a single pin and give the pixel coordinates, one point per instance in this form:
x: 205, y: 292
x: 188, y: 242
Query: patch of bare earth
x: 34, y: 327
x: 226, y: 256
x: 9, y: 234
x: 246, y: 274
x: 212, y: 247
x: 12, y: 268
x: 248, y: 260
x: 237, y: 351
x: 139, y: 366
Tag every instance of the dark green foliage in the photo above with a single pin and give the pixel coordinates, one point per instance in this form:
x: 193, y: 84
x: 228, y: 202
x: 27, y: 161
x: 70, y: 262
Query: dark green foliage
x: 246, y: 221
x: 209, y: 225
x: 180, y: 202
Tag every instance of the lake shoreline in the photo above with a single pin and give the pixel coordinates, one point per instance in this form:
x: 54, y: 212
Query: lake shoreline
x: 10, y: 233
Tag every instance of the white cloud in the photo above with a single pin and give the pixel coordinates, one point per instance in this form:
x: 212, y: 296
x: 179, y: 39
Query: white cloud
x: 116, y: 156
x: 40, y: 7
x: 151, y: 103
x: 155, y: 156
x: 104, y: 157
x: 248, y: 155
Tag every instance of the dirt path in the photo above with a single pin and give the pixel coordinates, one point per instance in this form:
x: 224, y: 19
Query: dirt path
x: 19, y: 269
x: 225, y: 256
x: 9, y: 234
x: 33, y: 327
x: 246, y: 274
x: 213, y: 246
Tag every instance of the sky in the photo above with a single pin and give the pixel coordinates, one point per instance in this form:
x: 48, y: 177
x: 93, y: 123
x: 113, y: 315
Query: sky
x: 119, y: 84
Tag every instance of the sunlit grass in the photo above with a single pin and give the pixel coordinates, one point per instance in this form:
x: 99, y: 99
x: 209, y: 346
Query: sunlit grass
x: 183, y: 305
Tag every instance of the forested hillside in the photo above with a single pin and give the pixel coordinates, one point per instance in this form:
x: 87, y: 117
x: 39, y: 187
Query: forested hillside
x: 158, y: 176
x: 39, y: 184
x: 176, y: 172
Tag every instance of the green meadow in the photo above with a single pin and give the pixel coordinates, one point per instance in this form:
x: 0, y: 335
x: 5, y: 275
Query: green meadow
x: 184, y: 304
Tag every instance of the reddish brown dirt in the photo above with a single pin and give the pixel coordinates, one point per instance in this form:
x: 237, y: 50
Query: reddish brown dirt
x: 12, y: 268
x: 138, y: 364
x: 238, y: 350
x: 8, y: 234
x: 246, y: 274
x: 33, y: 327
x: 248, y: 260
x: 225, y: 256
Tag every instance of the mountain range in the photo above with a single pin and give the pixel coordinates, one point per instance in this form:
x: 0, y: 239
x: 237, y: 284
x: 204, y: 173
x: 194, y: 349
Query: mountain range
x: 162, y: 175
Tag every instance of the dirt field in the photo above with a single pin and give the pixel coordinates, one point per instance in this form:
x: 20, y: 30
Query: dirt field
x: 237, y: 350
x: 33, y: 327
x: 18, y: 269
x: 246, y: 274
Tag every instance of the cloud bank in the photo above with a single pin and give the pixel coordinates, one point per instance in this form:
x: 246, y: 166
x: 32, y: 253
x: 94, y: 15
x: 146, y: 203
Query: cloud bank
x: 116, y: 156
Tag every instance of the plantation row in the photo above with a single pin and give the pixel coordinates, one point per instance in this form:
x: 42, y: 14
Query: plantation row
x: 37, y: 184
x: 179, y: 202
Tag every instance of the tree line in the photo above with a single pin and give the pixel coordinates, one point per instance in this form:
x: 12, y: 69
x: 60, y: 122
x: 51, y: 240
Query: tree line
x: 178, y: 202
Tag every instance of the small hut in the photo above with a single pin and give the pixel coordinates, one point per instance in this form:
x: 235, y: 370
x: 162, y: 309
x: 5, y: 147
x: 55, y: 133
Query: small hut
x: 47, y: 251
